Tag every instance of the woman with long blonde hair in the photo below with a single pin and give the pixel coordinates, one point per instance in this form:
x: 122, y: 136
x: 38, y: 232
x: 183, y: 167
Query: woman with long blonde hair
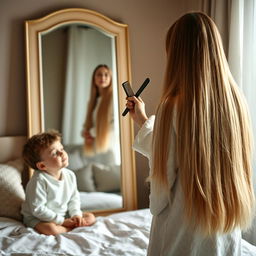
x: 199, y: 146
x: 99, y: 117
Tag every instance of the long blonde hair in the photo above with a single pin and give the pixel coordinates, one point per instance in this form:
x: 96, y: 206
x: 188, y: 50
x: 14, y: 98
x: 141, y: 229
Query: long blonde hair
x: 103, y: 116
x: 214, y: 139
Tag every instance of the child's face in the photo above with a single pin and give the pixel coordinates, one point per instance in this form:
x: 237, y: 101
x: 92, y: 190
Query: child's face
x: 54, y: 157
x: 102, y: 78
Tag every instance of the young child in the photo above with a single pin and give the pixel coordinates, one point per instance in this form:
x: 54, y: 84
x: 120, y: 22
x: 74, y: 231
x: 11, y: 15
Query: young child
x: 52, y: 204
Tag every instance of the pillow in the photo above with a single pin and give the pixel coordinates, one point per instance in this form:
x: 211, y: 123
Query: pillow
x: 100, y: 201
x: 74, y: 157
x: 84, y: 179
x: 12, y: 193
x: 107, y: 178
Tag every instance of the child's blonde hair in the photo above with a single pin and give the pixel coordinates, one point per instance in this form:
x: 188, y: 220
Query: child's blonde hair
x: 214, y: 139
x: 103, y: 119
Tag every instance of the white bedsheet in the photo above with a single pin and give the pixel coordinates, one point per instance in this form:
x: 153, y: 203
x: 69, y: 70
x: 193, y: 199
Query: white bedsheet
x: 124, y: 233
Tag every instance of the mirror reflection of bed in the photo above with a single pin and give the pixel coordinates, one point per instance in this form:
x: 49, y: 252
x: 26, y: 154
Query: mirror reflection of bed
x: 70, y: 54
x: 98, y: 179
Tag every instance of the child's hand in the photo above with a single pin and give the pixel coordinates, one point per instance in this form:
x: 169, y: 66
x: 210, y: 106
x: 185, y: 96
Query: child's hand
x: 88, y: 137
x: 137, y: 110
x: 69, y: 223
x: 78, y: 220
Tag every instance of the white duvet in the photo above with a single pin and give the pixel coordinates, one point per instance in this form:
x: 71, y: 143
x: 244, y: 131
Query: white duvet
x: 124, y: 233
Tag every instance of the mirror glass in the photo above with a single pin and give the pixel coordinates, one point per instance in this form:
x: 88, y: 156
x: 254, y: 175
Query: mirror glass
x: 78, y: 60
x: 75, y: 60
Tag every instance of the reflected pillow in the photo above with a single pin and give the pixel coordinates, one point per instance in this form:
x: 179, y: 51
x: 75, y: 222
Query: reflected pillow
x: 107, y: 178
x: 12, y: 193
x: 74, y: 157
x: 100, y: 201
x: 84, y: 178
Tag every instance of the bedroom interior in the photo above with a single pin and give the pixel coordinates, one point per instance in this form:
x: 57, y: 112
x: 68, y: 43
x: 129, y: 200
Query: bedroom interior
x: 136, y: 30
x: 13, y: 96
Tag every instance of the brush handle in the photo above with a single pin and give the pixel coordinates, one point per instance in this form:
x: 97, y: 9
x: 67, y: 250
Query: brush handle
x: 137, y: 94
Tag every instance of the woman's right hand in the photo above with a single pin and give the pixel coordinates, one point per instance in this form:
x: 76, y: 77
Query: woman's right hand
x: 87, y: 136
x: 137, y: 110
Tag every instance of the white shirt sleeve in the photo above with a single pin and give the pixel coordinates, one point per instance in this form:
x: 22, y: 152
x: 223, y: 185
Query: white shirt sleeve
x: 74, y: 203
x: 143, y: 140
x: 158, y: 198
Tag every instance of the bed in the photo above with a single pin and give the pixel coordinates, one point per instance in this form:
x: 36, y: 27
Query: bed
x: 124, y: 233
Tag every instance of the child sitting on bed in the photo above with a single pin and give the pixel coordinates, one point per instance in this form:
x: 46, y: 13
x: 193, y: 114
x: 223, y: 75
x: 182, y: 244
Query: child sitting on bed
x: 52, y: 204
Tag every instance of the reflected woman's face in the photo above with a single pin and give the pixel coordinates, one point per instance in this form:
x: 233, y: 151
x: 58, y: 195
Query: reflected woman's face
x: 102, y: 78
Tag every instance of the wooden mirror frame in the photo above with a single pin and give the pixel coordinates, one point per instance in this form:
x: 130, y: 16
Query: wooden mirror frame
x: 35, y: 111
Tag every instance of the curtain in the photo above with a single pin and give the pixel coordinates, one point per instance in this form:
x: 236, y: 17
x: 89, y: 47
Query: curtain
x: 219, y: 11
x: 76, y: 88
x: 242, y: 53
x: 236, y: 21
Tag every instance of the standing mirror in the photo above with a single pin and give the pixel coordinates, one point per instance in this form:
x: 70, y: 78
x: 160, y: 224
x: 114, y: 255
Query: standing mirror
x: 76, y: 62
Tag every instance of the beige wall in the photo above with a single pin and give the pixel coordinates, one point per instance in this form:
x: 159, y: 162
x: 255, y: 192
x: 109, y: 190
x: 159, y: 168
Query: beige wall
x: 148, y: 22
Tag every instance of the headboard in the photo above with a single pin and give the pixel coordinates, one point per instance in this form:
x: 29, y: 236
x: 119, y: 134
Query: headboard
x: 11, y: 147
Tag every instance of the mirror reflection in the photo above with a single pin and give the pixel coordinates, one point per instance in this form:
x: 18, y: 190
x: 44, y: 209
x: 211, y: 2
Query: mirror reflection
x: 80, y: 94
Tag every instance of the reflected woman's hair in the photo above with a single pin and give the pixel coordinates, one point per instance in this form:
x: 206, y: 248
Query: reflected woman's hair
x: 101, y: 102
